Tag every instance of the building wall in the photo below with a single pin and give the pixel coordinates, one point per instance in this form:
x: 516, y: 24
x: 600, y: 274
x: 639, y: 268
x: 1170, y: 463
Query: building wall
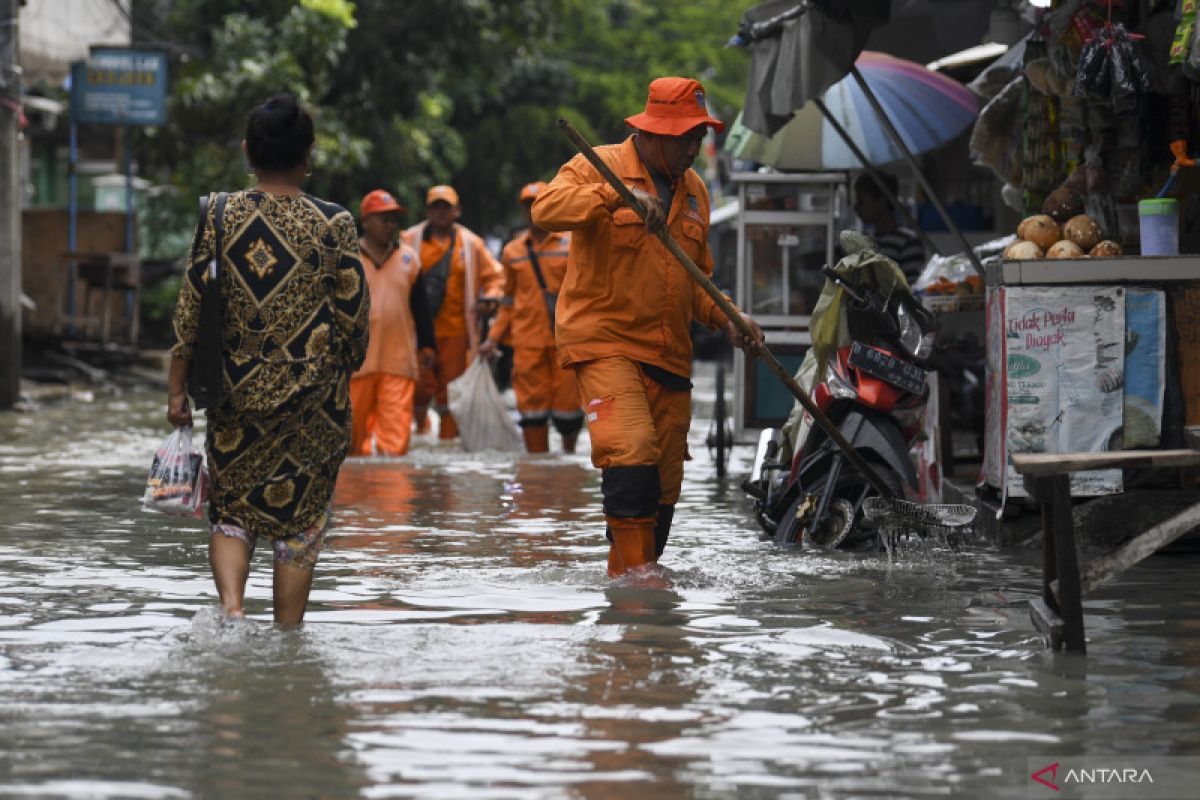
x: 44, y: 270
x: 56, y: 32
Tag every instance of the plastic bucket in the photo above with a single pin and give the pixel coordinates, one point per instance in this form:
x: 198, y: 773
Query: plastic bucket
x: 1158, y: 219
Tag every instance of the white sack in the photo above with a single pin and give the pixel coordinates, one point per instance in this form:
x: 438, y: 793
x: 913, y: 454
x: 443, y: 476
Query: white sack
x: 483, y: 421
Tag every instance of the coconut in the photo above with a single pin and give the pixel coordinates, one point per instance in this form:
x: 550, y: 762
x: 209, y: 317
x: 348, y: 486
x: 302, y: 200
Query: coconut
x: 1107, y: 249
x: 1040, y: 229
x: 1064, y: 249
x: 1022, y: 251
x: 1062, y: 204
x: 1083, y: 231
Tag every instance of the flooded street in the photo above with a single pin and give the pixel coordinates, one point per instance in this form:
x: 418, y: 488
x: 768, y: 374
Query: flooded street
x: 462, y: 641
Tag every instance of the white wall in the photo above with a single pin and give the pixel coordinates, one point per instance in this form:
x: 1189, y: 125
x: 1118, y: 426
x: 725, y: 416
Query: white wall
x: 56, y: 32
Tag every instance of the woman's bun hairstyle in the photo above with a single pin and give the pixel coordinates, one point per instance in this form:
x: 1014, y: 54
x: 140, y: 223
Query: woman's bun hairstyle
x: 278, y: 134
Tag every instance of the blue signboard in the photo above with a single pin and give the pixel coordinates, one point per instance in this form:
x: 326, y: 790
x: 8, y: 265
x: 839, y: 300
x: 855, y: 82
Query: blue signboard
x: 119, y: 86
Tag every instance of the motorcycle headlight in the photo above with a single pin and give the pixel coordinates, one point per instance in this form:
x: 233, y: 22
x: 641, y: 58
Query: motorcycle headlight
x: 912, y: 337
x: 838, y: 385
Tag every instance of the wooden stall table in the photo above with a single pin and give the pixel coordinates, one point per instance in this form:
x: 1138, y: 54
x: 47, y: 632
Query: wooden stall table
x: 106, y: 273
x: 1058, y: 613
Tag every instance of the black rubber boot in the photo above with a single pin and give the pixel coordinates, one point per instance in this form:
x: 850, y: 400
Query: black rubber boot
x: 662, y: 529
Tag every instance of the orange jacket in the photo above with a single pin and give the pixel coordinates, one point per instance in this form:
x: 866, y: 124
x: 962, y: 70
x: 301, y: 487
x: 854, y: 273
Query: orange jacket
x: 473, y: 272
x: 525, y: 306
x: 393, y: 343
x: 625, y: 294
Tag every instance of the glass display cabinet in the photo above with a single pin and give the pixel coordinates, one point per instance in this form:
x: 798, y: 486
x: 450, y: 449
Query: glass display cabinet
x: 786, y: 233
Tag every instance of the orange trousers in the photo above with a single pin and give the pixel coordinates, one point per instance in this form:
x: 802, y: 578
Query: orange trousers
x: 639, y: 433
x: 431, y: 386
x: 634, y: 421
x: 543, y: 387
x: 382, y: 409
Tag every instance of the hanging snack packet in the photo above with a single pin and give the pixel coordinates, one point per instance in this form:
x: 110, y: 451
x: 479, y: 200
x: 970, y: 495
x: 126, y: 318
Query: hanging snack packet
x: 178, y: 480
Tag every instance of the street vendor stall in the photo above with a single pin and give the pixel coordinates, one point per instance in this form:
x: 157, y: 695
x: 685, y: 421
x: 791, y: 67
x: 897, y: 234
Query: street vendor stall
x: 1087, y: 355
x: 1091, y: 311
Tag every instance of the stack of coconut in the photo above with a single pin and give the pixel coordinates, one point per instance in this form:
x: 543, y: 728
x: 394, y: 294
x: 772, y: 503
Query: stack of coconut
x: 1062, y: 230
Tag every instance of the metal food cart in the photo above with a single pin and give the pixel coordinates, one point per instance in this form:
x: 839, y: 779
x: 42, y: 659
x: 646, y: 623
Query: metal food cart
x: 786, y: 231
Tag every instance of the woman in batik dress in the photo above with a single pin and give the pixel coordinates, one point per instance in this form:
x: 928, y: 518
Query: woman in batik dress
x: 294, y: 311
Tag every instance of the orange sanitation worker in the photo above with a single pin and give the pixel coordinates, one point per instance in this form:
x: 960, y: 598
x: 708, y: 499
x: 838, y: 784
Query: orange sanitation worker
x: 534, y: 263
x: 381, y: 392
x: 625, y: 309
x: 458, y: 272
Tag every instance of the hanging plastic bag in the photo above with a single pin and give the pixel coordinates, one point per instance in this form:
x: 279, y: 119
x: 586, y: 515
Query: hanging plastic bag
x: 178, y: 480
x: 483, y: 421
x: 996, y: 139
x: 1111, y: 68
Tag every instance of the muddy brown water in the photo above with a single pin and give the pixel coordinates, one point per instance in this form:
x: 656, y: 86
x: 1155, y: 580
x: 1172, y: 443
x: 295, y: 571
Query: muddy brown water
x: 463, y: 642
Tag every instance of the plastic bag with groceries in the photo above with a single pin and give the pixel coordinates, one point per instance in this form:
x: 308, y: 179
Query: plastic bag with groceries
x: 178, y: 479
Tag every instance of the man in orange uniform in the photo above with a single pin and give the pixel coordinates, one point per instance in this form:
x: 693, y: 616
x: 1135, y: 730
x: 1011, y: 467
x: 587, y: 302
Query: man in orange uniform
x: 457, y: 270
x: 381, y: 392
x: 535, y: 262
x: 626, y: 306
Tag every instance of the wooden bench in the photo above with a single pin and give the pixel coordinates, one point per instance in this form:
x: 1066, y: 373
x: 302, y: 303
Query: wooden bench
x: 1058, y: 613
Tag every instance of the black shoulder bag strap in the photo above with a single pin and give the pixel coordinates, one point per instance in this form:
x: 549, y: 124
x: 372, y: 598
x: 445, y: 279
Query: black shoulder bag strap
x: 551, y: 298
x: 206, y: 381
x: 438, y: 276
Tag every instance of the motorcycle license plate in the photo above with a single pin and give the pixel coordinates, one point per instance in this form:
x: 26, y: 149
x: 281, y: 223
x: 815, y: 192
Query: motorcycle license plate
x: 908, y: 377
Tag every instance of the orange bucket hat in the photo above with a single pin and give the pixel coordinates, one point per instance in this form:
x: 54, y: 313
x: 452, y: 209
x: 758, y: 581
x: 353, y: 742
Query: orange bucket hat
x: 673, y: 107
x: 530, y: 191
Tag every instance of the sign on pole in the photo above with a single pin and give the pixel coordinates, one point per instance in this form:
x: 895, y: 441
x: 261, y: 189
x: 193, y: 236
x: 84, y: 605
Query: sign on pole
x: 120, y: 86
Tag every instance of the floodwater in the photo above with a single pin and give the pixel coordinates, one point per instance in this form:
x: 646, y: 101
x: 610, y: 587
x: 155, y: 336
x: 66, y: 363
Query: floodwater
x: 462, y: 641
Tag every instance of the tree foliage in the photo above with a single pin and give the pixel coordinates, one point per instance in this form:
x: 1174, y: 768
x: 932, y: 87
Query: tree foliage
x: 408, y: 94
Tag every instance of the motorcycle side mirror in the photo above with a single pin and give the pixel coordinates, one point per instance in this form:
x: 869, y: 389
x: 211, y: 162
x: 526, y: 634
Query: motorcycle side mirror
x: 831, y: 274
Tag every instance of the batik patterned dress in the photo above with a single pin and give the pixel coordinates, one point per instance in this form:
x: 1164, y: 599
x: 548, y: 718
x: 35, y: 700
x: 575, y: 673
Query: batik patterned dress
x: 295, y: 309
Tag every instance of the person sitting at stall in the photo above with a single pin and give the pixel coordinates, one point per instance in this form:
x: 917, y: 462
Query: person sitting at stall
x: 901, y: 245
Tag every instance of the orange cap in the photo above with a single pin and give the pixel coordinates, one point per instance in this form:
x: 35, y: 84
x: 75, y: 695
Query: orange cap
x: 530, y: 190
x: 673, y: 107
x: 441, y: 192
x: 377, y: 202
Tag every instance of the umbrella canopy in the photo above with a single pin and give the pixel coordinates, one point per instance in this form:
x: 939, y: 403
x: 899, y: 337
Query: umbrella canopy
x: 798, y: 49
x: 927, y: 108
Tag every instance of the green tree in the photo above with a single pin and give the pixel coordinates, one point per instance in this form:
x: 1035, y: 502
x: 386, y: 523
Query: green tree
x: 408, y: 94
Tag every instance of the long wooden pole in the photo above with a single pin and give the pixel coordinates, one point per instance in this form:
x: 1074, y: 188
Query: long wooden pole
x: 730, y: 311
x: 888, y: 126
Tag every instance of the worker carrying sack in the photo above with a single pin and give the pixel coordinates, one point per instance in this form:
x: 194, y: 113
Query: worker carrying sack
x: 483, y: 421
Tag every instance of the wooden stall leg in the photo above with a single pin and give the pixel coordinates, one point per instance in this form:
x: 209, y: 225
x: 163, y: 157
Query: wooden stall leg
x: 106, y: 314
x: 1070, y: 602
x: 1044, y: 611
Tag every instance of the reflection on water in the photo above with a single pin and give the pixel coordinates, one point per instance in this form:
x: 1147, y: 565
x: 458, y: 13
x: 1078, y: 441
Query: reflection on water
x: 463, y: 642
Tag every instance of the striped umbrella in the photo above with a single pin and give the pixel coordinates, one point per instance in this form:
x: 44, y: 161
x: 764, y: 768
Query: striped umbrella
x: 927, y: 108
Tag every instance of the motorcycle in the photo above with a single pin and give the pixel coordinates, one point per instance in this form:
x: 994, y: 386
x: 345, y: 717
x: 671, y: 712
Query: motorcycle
x: 874, y: 391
